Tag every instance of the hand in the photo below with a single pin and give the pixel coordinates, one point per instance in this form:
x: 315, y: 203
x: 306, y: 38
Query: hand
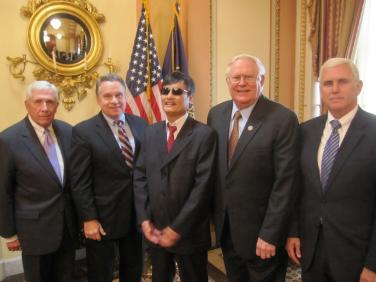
x: 367, y: 275
x: 93, y: 230
x: 264, y: 250
x: 151, y: 233
x: 14, y: 245
x: 168, y: 237
x: 293, y: 249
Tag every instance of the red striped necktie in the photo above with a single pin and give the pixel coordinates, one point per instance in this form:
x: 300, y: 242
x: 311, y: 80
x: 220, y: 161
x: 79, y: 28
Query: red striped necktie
x: 125, y: 145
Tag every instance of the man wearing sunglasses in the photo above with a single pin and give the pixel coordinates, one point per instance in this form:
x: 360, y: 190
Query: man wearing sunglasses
x: 173, y: 186
x: 256, y: 165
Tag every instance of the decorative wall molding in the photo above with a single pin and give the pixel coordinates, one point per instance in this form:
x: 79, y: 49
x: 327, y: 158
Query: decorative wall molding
x: 302, y: 59
x: 275, y: 49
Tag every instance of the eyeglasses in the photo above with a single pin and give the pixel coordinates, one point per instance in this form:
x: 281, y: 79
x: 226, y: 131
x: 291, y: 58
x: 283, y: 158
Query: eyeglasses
x: 175, y: 91
x: 246, y: 78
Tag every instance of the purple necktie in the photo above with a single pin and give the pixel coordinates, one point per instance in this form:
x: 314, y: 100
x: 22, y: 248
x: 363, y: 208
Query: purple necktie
x: 50, y: 149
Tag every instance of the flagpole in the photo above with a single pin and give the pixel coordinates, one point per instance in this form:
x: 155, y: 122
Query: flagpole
x: 148, y: 90
x: 172, y: 37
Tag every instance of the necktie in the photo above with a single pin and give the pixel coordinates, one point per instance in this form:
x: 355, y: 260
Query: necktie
x: 330, y: 152
x: 234, y: 136
x: 125, y: 145
x: 171, y: 139
x: 50, y: 149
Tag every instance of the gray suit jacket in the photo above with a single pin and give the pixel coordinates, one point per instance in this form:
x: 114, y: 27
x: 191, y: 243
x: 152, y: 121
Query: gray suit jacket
x: 256, y: 189
x: 33, y: 203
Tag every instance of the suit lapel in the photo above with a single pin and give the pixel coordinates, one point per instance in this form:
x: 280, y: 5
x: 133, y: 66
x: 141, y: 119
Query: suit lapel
x: 181, y: 141
x: 135, y: 132
x: 64, y: 146
x: 223, y: 130
x: 161, y: 140
x: 253, y: 124
x: 314, y: 141
x: 31, y: 141
x: 353, y: 136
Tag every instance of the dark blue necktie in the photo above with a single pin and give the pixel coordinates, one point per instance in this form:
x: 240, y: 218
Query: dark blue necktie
x: 330, y: 152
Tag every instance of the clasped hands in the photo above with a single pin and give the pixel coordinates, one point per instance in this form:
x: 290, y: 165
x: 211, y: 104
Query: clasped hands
x: 165, y: 238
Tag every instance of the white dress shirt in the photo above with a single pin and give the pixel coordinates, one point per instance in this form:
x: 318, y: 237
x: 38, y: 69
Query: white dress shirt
x: 245, y: 113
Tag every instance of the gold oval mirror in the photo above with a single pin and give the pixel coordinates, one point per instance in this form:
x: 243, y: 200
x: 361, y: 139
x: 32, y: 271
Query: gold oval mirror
x: 64, y: 38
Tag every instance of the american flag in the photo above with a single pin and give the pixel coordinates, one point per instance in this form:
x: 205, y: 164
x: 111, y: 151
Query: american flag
x: 144, y: 77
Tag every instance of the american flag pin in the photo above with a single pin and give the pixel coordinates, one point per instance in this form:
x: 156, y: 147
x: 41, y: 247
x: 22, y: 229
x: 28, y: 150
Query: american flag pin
x: 250, y: 128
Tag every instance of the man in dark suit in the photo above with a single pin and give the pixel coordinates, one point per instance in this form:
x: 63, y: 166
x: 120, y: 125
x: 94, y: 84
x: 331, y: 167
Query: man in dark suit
x: 36, y: 212
x: 104, y: 149
x: 173, y: 186
x: 256, y: 164
x: 334, y: 231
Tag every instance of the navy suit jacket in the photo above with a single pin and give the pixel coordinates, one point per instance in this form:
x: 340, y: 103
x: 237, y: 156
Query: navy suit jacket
x: 102, y: 184
x: 33, y: 203
x: 347, y: 210
x: 174, y: 189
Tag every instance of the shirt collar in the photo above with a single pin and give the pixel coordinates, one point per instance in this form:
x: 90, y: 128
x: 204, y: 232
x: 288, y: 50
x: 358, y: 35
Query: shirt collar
x: 111, y: 121
x: 39, y: 129
x: 246, y: 112
x: 346, y: 119
x: 179, y: 122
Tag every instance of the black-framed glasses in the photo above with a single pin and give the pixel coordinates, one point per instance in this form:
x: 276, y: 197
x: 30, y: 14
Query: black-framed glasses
x: 175, y: 91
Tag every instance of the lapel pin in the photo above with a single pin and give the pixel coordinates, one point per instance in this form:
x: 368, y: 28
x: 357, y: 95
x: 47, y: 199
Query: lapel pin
x: 249, y: 128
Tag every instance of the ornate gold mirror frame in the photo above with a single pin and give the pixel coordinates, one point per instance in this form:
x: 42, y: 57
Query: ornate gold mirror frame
x: 65, y: 40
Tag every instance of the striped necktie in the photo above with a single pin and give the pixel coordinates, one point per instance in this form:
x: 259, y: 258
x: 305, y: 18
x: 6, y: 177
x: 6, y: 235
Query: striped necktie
x: 330, y: 152
x: 125, y: 145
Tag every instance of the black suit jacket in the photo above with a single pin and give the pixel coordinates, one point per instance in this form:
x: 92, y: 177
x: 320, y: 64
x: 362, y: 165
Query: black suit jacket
x: 348, y: 208
x: 174, y: 189
x: 33, y: 203
x: 256, y: 189
x: 102, y: 185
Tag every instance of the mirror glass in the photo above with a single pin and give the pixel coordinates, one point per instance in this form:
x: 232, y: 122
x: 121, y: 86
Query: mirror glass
x: 66, y: 37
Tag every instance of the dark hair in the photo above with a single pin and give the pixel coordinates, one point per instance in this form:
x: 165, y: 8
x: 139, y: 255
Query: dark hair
x: 109, y: 77
x: 177, y: 76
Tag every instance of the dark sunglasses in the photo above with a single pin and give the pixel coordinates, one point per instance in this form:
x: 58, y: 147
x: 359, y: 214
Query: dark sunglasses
x: 175, y: 91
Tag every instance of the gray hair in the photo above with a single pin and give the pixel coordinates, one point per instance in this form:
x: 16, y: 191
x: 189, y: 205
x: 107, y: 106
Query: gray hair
x: 39, y: 85
x: 109, y: 77
x: 257, y: 61
x: 333, y: 62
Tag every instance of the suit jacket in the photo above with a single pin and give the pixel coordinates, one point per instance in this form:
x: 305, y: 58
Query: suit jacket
x: 33, y: 203
x: 174, y: 189
x: 256, y: 189
x: 347, y: 210
x: 102, y: 184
